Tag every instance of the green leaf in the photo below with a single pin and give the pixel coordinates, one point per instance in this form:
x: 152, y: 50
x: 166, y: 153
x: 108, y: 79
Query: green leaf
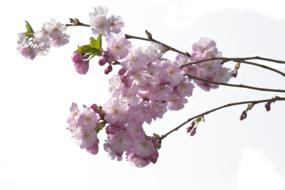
x: 29, y: 28
x: 96, y: 43
x: 87, y: 49
x: 99, y: 40
x: 93, y: 42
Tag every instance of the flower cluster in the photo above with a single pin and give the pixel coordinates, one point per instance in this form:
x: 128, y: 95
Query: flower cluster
x: 82, y: 124
x: 140, y: 149
x: 212, y: 70
x: 32, y: 43
x: 101, y: 24
x: 146, y: 86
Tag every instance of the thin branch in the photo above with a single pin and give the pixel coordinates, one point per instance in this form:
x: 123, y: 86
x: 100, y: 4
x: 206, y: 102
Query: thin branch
x: 264, y: 67
x: 240, y: 60
x: 151, y: 39
x: 236, y: 85
x: 253, y: 102
x: 236, y: 59
x: 264, y: 59
x: 76, y: 22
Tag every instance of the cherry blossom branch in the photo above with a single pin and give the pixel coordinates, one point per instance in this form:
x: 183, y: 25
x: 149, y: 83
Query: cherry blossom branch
x: 76, y: 22
x: 252, y: 102
x: 236, y: 85
x: 224, y: 59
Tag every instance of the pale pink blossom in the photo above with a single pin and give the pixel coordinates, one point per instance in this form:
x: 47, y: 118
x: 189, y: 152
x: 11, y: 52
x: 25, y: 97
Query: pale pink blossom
x: 116, y: 111
x: 176, y: 104
x: 55, y: 32
x: 118, y: 46
x: 116, y: 23
x: 82, y: 125
x: 98, y: 21
x: 185, y: 88
x: 136, y: 60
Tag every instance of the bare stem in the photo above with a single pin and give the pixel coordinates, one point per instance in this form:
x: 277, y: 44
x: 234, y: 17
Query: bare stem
x: 236, y: 85
x: 264, y: 67
x: 151, y: 39
x: 235, y: 59
x: 76, y: 22
x: 253, y: 102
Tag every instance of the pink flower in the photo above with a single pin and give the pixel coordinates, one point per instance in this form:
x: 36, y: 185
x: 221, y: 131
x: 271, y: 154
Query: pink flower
x: 98, y: 21
x: 27, y: 51
x: 205, y: 48
x: 183, y: 60
x: 136, y: 60
x: 74, y: 111
x: 82, y: 125
x: 117, y: 144
x: 143, y: 153
x: 116, y: 23
x: 184, y: 88
x: 101, y: 24
x: 118, y: 46
x: 55, y: 32
x: 143, y: 148
x: 176, y: 104
x: 116, y: 111
x: 211, y: 70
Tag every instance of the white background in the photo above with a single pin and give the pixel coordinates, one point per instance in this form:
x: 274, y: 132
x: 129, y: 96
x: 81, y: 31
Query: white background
x: 37, y: 152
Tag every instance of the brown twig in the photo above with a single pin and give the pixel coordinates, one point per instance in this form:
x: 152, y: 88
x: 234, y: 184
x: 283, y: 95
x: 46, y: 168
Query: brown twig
x: 235, y: 59
x: 253, y: 102
x: 76, y: 22
x: 151, y: 39
x: 264, y: 67
x: 236, y: 85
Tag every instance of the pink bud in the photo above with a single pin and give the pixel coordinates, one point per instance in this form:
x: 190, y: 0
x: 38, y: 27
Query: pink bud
x: 243, y: 115
x: 105, y: 54
x: 77, y: 57
x: 102, y: 61
x: 122, y: 71
x: 94, y: 107
x: 268, y: 106
x: 82, y: 67
x: 191, y: 130
x: 108, y: 69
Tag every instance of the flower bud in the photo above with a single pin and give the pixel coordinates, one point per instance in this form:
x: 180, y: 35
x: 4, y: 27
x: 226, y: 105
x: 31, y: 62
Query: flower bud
x: 268, y: 106
x: 108, y: 69
x: 243, y: 115
x: 102, y: 61
x: 122, y: 71
x: 77, y: 57
x: 82, y: 67
x: 94, y: 107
